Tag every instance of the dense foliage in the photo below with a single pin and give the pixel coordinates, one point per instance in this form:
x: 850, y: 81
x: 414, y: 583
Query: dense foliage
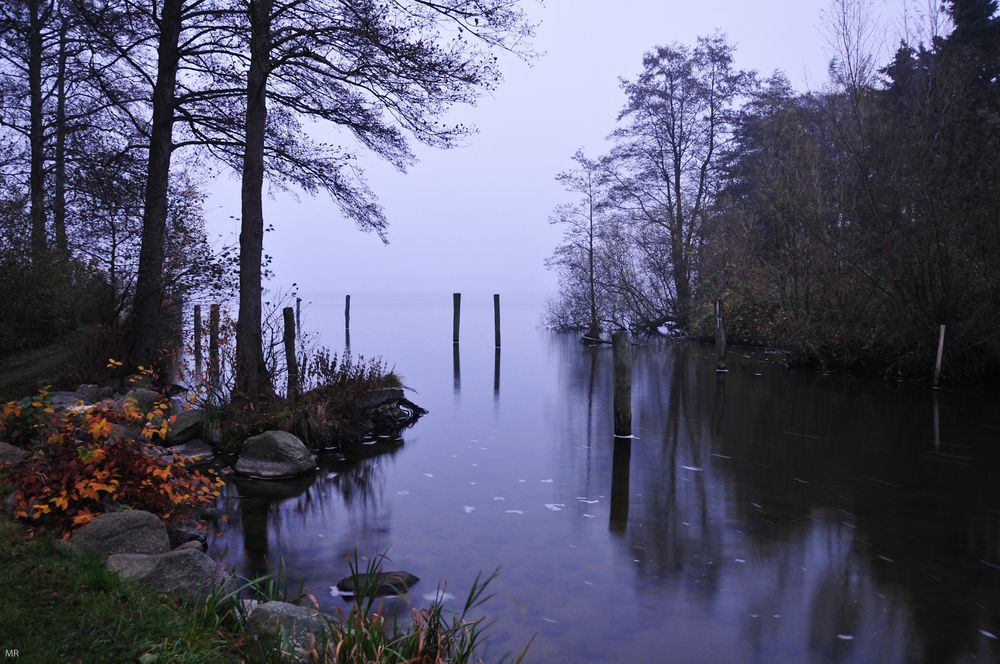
x: 843, y: 225
x: 87, y: 460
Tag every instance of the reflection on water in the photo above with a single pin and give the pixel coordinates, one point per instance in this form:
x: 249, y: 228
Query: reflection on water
x: 762, y: 515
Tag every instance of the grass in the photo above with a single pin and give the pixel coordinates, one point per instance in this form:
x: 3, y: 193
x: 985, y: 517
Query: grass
x: 435, y: 635
x: 63, y: 607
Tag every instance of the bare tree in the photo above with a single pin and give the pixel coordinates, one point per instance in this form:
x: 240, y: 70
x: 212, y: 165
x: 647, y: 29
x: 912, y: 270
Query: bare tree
x: 676, y: 120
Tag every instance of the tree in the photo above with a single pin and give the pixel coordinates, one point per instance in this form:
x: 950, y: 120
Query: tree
x: 676, y: 120
x: 582, y: 220
x: 380, y: 71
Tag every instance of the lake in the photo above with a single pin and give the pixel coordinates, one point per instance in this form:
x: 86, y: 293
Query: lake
x: 764, y: 515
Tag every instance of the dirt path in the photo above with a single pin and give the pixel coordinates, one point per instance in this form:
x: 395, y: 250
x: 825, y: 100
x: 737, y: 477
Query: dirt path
x: 19, y: 373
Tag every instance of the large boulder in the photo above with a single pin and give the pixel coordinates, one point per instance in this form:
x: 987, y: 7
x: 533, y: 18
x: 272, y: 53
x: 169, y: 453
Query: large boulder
x: 90, y: 392
x: 195, y: 451
x: 143, y: 398
x: 274, y: 455
x: 383, y: 583
x: 186, y: 571
x: 186, y: 426
x: 132, y: 531
x: 61, y: 400
x: 298, y: 629
x: 11, y: 454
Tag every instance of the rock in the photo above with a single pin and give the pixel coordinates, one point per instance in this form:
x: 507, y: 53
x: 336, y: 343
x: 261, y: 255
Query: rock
x: 123, y: 432
x: 181, y: 572
x: 376, y: 398
x: 10, y: 504
x: 383, y: 583
x: 11, y: 454
x: 186, y: 426
x: 131, y: 531
x: 194, y: 544
x: 196, y: 451
x: 274, y: 455
x: 61, y: 399
x: 143, y: 399
x: 298, y: 629
x: 89, y: 392
x: 105, y: 393
x: 179, y: 534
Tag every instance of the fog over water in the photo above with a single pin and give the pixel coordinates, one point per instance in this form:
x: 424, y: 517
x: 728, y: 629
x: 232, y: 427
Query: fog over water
x: 475, y: 217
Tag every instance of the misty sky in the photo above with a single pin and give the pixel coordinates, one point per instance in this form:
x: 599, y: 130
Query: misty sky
x: 475, y: 218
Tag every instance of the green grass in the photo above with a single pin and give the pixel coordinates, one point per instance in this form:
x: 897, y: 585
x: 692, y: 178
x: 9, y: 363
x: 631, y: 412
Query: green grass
x: 62, y: 607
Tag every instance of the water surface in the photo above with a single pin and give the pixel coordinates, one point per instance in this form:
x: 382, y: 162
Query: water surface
x: 765, y: 515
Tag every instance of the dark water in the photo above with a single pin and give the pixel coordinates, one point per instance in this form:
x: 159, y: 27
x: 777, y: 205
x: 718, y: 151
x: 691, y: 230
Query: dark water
x: 763, y: 516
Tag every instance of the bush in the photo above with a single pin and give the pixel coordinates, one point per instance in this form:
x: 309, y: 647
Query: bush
x: 85, y: 462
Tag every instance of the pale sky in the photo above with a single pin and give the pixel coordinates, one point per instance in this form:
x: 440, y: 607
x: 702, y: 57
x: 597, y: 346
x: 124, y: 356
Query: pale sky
x: 474, y: 218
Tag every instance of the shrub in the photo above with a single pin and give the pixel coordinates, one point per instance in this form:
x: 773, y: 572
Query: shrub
x: 86, y: 462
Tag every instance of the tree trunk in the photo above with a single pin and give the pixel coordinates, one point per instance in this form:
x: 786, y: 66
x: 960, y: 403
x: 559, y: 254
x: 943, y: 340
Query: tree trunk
x: 145, y: 322
x: 252, y: 381
x: 36, y: 132
x: 59, y: 205
x: 595, y: 328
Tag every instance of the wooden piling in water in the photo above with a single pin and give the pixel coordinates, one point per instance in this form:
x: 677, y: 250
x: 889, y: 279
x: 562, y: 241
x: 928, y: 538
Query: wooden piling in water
x: 496, y: 319
x: 347, y: 312
x: 291, y: 364
x: 940, y: 356
x: 197, y: 342
x: 457, y: 300
x: 720, y: 337
x: 622, y: 353
x: 298, y: 315
x: 213, y: 344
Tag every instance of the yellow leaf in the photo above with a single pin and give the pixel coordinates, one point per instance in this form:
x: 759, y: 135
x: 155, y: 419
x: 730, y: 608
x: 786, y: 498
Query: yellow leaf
x: 82, y: 518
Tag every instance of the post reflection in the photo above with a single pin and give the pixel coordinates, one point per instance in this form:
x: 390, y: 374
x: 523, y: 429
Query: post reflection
x: 456, y: 362
x: 496, y: 375
x: 621, y: 460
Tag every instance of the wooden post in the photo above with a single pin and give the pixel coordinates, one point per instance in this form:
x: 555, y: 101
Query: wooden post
x: 496, y: 319
x: 720, y: 337
x: 213, y: 344
x: 622, y: 353
x: 197, y: 342
x: 347, y: 312
x: 940, y: 356
x: 291, y: 363
x: 457, y: 299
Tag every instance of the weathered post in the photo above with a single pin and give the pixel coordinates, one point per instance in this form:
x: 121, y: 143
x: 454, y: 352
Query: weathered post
x: 457, y: 299
x: 347, y: 312
x: 622, y: 353
x: 213, y: 344
x: 940, y: 356
x: 291, y: 364
x: 496, y: 319
x: 720, y: 337
x: 197, y: 342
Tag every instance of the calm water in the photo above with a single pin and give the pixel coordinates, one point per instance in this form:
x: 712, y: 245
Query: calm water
x: 766, y: 515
